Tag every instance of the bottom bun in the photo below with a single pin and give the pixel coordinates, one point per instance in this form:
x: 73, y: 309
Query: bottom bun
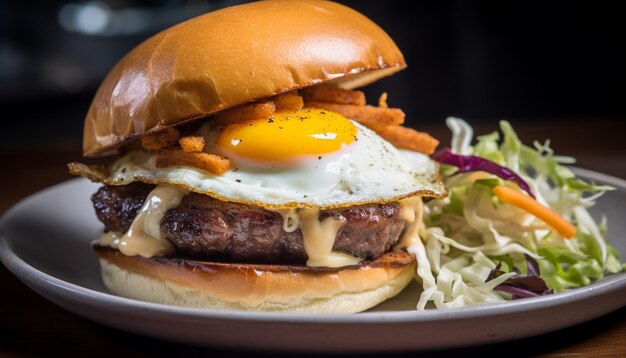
x: 256, y: 287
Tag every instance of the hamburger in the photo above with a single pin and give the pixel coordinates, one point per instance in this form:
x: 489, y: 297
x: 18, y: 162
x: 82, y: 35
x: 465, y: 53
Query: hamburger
x: 244, y: 171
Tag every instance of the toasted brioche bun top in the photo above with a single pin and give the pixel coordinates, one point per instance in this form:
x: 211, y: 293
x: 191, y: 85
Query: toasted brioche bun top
x: 234, y: 56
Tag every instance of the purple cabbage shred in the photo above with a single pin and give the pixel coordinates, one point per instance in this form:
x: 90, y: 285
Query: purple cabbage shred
x: 522, y: 286
x: 471, y: 163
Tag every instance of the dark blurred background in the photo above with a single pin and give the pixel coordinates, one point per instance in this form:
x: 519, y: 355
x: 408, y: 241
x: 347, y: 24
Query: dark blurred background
x: 479, y: 60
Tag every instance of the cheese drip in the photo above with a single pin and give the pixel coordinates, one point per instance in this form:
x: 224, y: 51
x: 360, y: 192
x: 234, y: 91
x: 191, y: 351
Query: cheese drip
x: 411, y: 210
x: 144, y: 235
x: 318, y: 237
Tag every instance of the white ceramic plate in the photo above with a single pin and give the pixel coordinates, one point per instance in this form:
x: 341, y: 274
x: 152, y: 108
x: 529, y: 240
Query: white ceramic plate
x: 45, y: 242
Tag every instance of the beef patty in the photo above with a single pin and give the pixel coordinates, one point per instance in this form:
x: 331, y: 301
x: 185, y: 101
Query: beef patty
x: 205, y: 227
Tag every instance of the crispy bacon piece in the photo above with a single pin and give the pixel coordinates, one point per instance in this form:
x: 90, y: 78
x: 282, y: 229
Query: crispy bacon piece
x: 167, y: 137
x: 211, y: 163
x: 332, y: 94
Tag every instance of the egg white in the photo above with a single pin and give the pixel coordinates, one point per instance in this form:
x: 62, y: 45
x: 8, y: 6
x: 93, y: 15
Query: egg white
x: 368, y: 170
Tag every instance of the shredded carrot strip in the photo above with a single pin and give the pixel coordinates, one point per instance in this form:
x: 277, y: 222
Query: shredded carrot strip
x: 532, y: 206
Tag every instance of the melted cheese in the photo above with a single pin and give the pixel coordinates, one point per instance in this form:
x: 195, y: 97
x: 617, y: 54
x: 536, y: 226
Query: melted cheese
x: 318, y: 237
x: 291, y: 219
x: 144, y: 235
x: 110, y: 238
x: 335, y: 259
x: 411, y: 210
x: 407, y: 210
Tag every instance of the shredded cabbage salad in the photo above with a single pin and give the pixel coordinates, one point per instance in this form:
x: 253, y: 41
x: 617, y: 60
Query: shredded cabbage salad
x: 477, y: 249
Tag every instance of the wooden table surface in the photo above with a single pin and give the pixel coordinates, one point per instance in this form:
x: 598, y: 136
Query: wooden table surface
x: 32, y: 326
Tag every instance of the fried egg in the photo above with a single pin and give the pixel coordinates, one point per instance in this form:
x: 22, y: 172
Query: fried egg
x: 308, y: 158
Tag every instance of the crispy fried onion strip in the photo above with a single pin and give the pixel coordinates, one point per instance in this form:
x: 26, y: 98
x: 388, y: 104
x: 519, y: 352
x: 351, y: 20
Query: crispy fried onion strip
x: 382, y: 101
x: 368, y: 116
x: 332, y: 94
x: 192, y: 143
x: 250, y: 111
x: 289, y: 101
x: 407, y: 138
x: 173, y: 150
x: 171, y: 157
x: 187, y: 153
x: 386, y: 122
x: 164, y: 138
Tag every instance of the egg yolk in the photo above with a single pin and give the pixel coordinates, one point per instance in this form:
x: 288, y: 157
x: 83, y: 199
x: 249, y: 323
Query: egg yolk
x: 287, y: 135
